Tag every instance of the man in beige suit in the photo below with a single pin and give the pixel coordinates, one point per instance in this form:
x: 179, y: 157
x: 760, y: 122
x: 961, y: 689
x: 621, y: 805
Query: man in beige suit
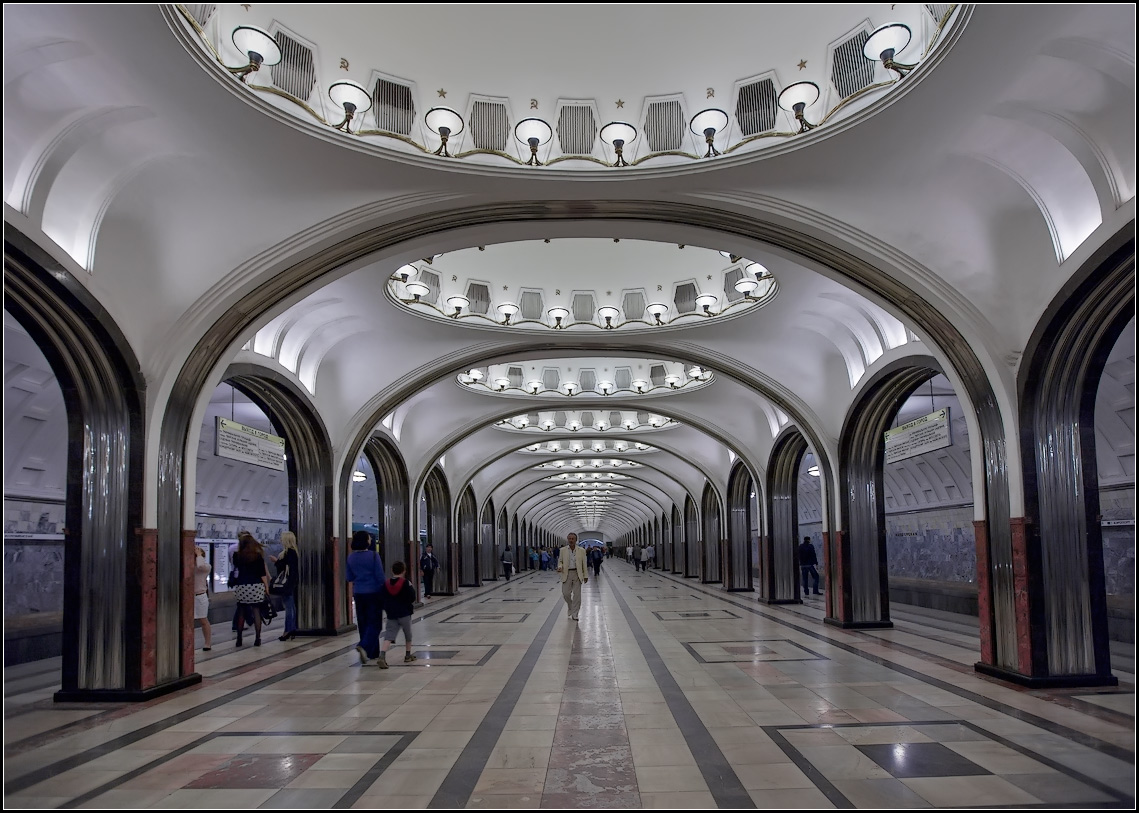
x: 571, y: 564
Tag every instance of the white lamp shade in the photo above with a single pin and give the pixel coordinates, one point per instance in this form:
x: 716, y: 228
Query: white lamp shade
x: 558, y: 313
x: 440, y: 117
x: 695, y: 372
x: 657, y: 309
x: 533, y: 128
x: 756, y: 270
x: 571, y: 387
x: 534, y: 385
x: 253, y: 40
x: 535, y: 447
x: 508, y: 309
x: 343, y: 93
x: 618, y: 131
x: 608, y: 312
x: 604, y: 386
x: 805, y: 93
x: 813, y: 471
x: 405, y: 272
x: 713, y: 118
x: 746, y: 285
x: 458, y: 302
x: 892, y: 36
x: 640, y: 384
x: 502, y: 382
x: 418, y: 289
x: 672, y: 380
x: 707, y: 300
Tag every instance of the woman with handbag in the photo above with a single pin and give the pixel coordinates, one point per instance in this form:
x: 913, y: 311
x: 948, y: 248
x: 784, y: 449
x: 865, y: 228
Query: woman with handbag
x: 285, y: 584
x: 252, y: 582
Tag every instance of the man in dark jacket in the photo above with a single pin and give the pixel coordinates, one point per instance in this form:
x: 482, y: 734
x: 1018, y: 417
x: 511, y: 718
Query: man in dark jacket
x: 399, y: 604
x: 807, y: 562
x: 428, y: 564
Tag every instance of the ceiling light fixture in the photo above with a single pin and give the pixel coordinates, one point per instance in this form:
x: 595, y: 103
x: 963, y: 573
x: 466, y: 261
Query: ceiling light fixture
x: 798, y: 97
x: 508, y: 309
x: 548, y: 424
x: 353, y: 99
x: 571, y: 387
x: 558, y: 315
x: 261, y: 49
x: 458, y: 303
x: 733, y: 258
x: 608, y: 313
x: 535, y: 386
x: 605, y: 387
x: 813, y: 471
x: 641, y: 386
x: 657, y: 310
x: 417, y: 290
x: 745, y: 285
x: 885, y: 42
x: 706, y: 302
x: 617, y: 134
x: 502, y: 383
x: 359, y: 476
x: 535, y: 133
x: 404, y: 272
x: 708, y: 123
x: 444, y: 122
x: 476, y: 374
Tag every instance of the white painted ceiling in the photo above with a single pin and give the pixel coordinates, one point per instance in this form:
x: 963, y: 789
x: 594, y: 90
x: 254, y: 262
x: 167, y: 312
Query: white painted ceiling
x: 170, y: 191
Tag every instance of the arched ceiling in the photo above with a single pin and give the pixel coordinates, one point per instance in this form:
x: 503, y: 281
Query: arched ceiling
x: 977, y: 188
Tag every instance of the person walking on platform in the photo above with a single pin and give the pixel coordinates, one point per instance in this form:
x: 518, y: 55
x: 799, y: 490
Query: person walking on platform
x: 365, y: 571
x: 575, y: 573
x: 507, y: 560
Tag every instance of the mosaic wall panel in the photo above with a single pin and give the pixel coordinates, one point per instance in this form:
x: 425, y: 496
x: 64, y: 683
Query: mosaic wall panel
x: 1118, y: 505
x: 33, y: 557
x: 938, y: 545
x: 33, y: 578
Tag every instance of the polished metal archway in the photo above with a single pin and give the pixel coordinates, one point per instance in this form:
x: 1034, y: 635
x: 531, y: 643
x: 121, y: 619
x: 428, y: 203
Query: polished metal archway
x: 468, y: 543
x: 779, y: 557
x: 438, y: 506
x: 738, y: 564
x: 711, y: 537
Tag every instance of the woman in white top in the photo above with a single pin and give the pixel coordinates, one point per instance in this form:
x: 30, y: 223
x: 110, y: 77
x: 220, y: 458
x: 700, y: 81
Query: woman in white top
x: 201, y: 595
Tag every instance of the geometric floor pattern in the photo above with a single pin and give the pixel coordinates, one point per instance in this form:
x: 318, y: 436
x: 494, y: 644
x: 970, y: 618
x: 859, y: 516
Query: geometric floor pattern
x: 715, y: 701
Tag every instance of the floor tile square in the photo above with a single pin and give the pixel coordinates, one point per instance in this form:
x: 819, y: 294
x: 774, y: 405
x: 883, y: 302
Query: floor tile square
x: 256, y: 771
x: 878, y: 794
x: 914, y: 759
x: 970, y: 791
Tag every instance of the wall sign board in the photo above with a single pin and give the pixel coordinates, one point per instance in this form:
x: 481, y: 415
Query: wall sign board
x: 925, y: 434
x: 240, y: 442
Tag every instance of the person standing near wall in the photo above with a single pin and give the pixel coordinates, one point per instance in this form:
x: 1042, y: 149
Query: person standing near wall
x: 575, y: 573
x: 202, y: 596
x: 428, y: 564
x: 507, y: 560
x: 807, y: 562
x: 252, y: 583
x: 285, y: 584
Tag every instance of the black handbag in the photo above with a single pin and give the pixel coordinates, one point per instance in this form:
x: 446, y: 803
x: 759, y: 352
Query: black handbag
x: 267, y: 611
x: 282, y: 585
x: 232, y: 582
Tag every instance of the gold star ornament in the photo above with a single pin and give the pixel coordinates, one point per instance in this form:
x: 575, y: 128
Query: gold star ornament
x: 802, y: 64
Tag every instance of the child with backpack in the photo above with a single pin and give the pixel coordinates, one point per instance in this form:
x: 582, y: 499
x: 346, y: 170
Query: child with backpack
x: 399, y: 604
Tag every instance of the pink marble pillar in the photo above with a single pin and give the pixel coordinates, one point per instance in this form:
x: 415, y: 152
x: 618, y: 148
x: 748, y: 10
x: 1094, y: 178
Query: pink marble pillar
x: 148, y: 623
x: 186, y: 605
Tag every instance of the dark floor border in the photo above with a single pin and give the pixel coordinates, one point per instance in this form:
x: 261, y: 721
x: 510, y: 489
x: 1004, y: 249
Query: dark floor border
x: 1079, y: 737
x: 46, y: 772
x: 815, y: 656
x: 839, y: 800
x: 723, y: 783
x: 405, y: 739
x: 460, y: 781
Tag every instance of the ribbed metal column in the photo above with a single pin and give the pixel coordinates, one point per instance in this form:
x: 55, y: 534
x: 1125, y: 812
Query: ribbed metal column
x: 1058, y: 386
x: 862, y: 455
x: 677, y: 541
x: 391, y: 482
x: 782, y: 549
x: 104, y: 395
x: 691, y: 539
x: 487, y: 539
x: 739, y: 529
x: 710, y: 539
x: 439, y: 531
x: 665, y: 549
x: 309, y: 467
x: 468, y: 540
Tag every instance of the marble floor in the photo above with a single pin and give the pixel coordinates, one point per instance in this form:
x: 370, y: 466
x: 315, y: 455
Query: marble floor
x: 666, y: 693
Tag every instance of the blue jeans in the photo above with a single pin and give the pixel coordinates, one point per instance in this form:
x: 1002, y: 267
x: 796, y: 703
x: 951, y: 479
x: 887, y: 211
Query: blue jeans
x: 369, y: 618
x: 290, y: 612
